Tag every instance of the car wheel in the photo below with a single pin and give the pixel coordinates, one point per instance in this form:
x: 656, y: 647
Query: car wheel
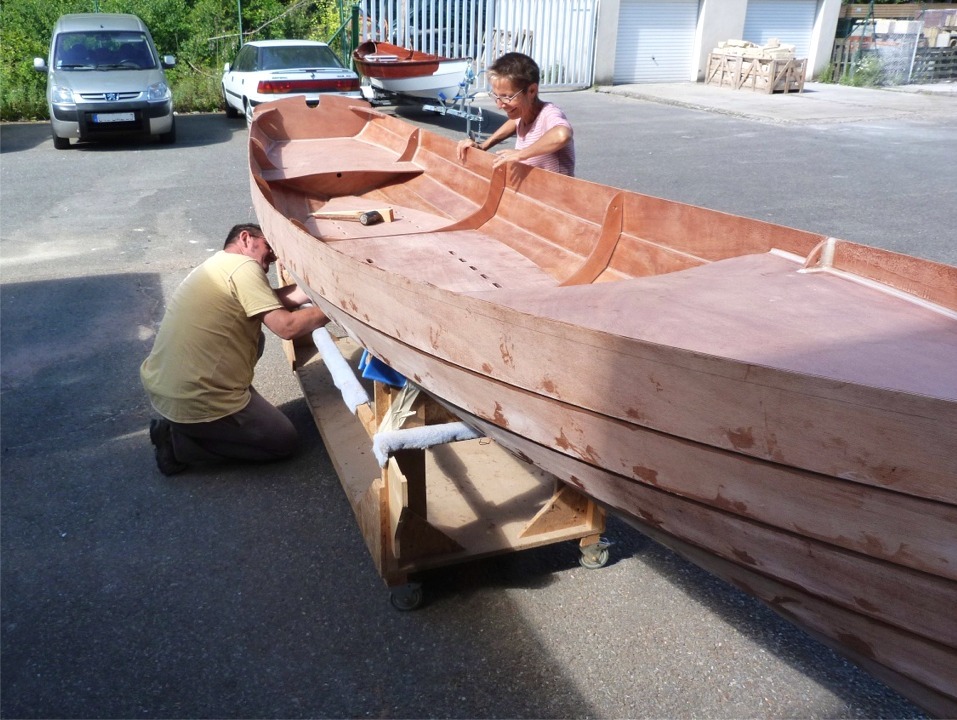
x: 58, y: 142
x: 231, y: 112
x: 249, y: 113
x: 168, y: 138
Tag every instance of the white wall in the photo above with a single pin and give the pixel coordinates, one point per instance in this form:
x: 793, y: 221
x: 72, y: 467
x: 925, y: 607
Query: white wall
x: 717, y: 20
x: 822, y: 39
x: 606, y: 41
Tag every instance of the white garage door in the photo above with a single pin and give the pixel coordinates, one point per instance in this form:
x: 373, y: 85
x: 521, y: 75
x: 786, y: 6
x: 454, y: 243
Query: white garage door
x: 655, y: 41
x: 790, y: 21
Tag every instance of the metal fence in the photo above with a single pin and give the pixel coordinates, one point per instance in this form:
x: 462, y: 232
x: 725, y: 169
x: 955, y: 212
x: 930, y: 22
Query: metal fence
x: 888, y: 51
x: 558, y: 34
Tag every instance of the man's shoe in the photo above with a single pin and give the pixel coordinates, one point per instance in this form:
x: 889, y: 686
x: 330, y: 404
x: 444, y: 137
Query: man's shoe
x: 162, y: 439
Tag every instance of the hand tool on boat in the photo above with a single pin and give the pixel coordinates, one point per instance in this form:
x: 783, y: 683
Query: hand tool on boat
x: 366, y: 217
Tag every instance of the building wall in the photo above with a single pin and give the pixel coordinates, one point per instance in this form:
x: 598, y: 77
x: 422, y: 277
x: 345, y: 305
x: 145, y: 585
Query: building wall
x: 717, y: 20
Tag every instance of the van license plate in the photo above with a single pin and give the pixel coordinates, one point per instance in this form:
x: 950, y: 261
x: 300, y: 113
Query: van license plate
x: 113, y: 117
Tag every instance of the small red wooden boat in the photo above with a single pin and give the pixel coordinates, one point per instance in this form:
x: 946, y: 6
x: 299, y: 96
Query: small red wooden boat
x: 777, y: 405
x: 412, y: 73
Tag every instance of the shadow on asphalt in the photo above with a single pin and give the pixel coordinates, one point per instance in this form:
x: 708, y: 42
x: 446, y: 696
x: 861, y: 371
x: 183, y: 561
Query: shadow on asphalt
x: 191, y: 131
x: 229, y: 591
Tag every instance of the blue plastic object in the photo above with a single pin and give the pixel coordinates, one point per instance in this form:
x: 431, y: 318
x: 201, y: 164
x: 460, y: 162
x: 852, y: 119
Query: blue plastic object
x: 374, y: 369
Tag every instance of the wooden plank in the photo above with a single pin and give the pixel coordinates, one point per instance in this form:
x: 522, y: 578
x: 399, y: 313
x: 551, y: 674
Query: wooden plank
x: 862, y: 603
x: 925, y: 671
x: 441, y: 506
x: 567, y: 508
x: 913, y: 531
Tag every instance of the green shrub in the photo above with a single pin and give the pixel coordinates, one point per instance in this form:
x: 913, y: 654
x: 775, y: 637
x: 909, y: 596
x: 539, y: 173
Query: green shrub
x: 867, y: 72
x: 196, y: 90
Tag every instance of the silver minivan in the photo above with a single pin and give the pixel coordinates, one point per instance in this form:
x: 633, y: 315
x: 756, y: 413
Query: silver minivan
x: 105, y: 78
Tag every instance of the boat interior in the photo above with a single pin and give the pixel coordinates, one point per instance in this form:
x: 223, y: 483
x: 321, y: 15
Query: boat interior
x: 544, y: 227
x: 590, y: 254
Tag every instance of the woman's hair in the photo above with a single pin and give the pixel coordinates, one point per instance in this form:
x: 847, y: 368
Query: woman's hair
x: 517, y: 67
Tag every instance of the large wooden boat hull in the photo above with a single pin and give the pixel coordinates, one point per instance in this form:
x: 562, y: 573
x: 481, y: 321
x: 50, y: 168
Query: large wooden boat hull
x: 410, y: 73
x: 779, y: 406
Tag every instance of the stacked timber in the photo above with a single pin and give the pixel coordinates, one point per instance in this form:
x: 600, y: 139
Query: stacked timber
x: 765, y: 68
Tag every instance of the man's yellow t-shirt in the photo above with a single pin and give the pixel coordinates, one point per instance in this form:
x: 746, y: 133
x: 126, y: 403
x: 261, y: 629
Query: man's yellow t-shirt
x: 201, y: 366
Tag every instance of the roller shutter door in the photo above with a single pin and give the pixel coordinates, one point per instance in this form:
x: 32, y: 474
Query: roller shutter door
x: 790, y: 21
x: 655, y: 41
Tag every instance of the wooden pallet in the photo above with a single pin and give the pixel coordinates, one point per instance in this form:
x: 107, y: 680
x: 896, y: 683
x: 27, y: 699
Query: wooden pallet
x: 445, y: 505
x: 764, y: 75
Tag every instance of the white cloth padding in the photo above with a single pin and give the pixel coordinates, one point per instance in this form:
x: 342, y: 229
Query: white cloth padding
x: 353, y: 394
x: 419, y: 438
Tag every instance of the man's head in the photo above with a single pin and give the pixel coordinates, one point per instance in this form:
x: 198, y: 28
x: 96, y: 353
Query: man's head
x: 248, y: 239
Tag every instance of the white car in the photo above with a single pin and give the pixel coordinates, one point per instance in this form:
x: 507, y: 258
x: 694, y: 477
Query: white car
x: 267, y: 70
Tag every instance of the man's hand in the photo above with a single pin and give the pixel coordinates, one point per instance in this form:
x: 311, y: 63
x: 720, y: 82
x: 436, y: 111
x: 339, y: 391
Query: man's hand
x: 292, y: 296
x: 290, y: 324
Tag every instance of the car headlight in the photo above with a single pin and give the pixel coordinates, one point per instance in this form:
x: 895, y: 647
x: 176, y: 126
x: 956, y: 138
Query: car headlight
x: 62, y: 95
x: 158, y: 92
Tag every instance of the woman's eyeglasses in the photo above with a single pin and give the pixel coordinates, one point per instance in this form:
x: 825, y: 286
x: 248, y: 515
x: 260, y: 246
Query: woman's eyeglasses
x: 505, y: 99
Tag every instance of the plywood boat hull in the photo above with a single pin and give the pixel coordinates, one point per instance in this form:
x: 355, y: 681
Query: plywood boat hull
x: 411, y: 73
x: 779, y: 406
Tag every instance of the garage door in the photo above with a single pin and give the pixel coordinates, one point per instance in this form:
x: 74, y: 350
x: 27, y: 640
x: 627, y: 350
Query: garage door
x: 655, y: 41
x: 790, y: 21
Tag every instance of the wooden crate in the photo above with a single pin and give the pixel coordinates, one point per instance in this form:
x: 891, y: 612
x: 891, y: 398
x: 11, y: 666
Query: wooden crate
x: 765, y: 75
x: 441, y: 506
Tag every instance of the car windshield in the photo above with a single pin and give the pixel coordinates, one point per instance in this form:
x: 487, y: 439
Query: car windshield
x: 103, y: 50
x: 296, y: 57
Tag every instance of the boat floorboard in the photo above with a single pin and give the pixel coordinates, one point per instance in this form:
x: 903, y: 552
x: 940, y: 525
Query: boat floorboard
x: 759, y: 309
x: 458, y: 260
x: 406, y: 220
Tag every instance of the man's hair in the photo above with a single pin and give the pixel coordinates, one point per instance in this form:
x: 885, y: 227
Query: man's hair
x: 517, y: 67
x: 233, y: 235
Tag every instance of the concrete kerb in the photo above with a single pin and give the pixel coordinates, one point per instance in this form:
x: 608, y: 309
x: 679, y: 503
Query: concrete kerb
x: 819, y: 103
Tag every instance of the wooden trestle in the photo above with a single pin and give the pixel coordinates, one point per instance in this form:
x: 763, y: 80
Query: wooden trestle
x: 451, y: 503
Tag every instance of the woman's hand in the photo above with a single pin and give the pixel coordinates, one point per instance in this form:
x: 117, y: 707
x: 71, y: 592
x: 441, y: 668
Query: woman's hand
x: 504, y: 156
x: 463, y: 146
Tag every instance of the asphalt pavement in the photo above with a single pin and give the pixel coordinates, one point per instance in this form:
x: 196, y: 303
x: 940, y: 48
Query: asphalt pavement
x: 247, y: 591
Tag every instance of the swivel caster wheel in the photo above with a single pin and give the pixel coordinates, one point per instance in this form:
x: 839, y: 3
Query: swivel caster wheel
x: 595, y: 556
x: 407, y: 597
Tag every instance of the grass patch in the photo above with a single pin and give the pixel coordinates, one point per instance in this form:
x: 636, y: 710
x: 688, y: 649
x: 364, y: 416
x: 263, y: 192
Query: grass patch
x: 196, y: 89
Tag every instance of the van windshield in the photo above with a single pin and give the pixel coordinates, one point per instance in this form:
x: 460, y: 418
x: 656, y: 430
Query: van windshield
x: 104, y: 50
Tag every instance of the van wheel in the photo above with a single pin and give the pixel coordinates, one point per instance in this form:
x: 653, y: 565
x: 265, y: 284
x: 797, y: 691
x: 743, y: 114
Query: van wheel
x: 60, y: 143
x: 169, y: 138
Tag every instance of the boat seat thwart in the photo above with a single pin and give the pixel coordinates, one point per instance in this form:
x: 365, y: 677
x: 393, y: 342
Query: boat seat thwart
x: 338, y: 157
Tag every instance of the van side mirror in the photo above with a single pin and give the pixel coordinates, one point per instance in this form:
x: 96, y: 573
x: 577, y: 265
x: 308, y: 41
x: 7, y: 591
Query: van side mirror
x: 39, y: 64
x: 226, y: 67
x: 169, y: 61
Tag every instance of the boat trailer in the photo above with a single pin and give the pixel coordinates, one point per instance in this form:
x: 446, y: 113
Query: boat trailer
x: 461, y: 105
